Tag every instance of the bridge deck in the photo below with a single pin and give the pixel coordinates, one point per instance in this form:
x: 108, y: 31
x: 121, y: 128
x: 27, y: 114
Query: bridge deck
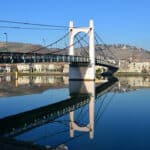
x: 8, y: 57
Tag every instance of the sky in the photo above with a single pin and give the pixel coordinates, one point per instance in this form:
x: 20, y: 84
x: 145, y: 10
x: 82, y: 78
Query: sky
x: 116, y: 21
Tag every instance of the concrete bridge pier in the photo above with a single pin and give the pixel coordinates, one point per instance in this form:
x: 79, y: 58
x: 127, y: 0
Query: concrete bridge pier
x: 82, y: 71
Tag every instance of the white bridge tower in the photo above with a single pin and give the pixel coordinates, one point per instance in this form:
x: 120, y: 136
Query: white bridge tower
x: 82, y: 72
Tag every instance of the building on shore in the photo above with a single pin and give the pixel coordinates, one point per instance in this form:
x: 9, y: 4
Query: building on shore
x: 35, y: 68
x: 134, y: 66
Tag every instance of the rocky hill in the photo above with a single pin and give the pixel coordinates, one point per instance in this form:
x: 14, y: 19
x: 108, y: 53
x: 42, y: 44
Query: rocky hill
x: 122, y: 51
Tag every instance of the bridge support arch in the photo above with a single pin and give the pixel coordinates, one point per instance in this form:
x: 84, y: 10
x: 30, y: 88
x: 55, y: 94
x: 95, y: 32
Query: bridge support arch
x: 82, y: 71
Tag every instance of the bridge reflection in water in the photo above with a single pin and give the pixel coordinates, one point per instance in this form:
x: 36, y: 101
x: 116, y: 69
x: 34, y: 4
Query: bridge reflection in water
x: 81, y: 94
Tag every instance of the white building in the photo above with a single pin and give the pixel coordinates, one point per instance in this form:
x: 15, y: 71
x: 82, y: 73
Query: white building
x: 136, y: 66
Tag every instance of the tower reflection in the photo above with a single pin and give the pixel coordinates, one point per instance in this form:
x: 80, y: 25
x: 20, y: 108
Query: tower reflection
x: 83, y: 87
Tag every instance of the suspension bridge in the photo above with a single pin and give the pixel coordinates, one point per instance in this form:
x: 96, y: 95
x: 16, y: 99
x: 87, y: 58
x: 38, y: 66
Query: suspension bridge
x: 82, y: 53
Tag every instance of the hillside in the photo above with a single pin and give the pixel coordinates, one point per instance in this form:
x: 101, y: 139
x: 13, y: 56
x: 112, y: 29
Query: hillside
x: 126, y: 52
x: 19, y: 47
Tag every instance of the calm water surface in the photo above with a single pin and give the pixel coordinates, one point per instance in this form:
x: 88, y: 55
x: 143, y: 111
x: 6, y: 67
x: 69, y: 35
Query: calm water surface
x: 98, y: 116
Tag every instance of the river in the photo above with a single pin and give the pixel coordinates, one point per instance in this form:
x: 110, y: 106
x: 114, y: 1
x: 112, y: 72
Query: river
x: 52, y: 111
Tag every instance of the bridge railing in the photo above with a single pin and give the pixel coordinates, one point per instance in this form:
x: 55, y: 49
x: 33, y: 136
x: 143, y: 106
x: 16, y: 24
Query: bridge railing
x: 6, y: 57
x: 106, y: 63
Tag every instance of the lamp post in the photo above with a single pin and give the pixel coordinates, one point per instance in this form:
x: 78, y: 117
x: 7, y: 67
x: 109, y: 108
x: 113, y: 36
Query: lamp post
x: 6, y: 37
x: 43, y: 41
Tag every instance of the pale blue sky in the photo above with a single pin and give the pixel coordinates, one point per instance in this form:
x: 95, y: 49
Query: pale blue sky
x: 117, y: 21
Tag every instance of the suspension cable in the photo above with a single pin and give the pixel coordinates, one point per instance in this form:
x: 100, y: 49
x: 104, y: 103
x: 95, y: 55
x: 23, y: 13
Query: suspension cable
x: 36, y: 50
x: 106, y: 46
x: 33, y: 24
x: 99, y: 48
x: 85, y: 50
x: 77, y: 41
x: 33, y: 28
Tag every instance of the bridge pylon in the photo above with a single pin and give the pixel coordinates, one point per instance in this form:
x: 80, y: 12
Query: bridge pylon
x: 82, y: 72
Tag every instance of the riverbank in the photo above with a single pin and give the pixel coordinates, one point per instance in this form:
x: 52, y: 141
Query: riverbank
x: 126, y: 74
x: 117, y: 74
x: 35, y: 74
